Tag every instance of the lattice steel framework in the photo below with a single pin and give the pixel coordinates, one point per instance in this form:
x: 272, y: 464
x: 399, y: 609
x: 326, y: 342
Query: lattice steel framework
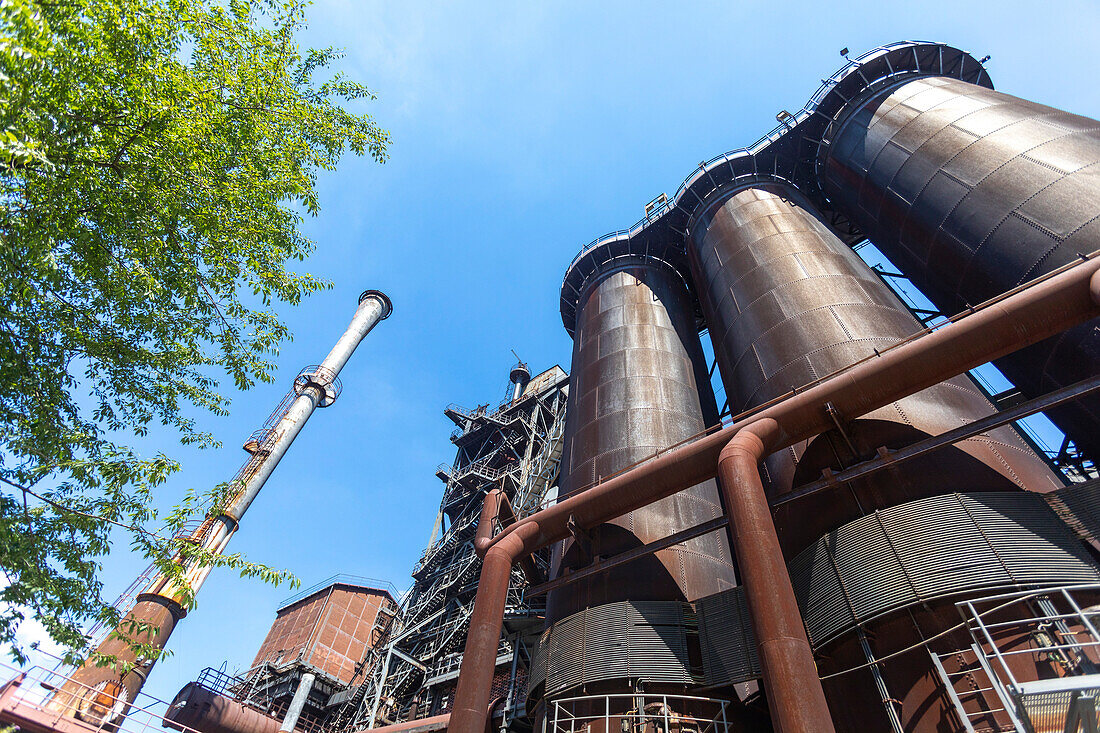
x: 517, y: 447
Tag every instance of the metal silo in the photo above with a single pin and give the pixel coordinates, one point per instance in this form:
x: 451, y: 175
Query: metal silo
x: 972, y: 192
x: 639, y: 385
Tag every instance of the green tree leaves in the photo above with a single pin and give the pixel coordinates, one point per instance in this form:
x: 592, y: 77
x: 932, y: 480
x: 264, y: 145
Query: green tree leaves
x: 154, y: 158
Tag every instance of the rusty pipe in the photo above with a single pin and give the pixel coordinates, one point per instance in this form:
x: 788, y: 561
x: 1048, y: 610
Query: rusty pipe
x: 795, y: 696
x: 196, y: 708
x: 1030, y: 315
x: 495, y: 504
x: 496, y: 507
x: 471, y: 706
x: 1033, y: 313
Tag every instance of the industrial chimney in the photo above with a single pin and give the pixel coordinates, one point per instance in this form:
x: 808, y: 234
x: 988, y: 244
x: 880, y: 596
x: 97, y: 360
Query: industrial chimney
x: 102, y: 695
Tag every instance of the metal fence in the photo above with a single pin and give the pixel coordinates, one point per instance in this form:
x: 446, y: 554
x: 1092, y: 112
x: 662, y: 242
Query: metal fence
x: 38, y: 699
x: 1037, y: 660
x: 637, y: 714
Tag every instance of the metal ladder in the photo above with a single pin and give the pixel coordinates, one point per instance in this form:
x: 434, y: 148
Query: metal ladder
x: 969, y: 665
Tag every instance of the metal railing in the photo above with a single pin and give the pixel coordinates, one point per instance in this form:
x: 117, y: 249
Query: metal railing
x: 346, y: 579
x: 790, y: 125
x: 1039, y: 650
x: 639, y: 713
x: 321, y: 377
x: 33, y: 698
x: 481, y: 411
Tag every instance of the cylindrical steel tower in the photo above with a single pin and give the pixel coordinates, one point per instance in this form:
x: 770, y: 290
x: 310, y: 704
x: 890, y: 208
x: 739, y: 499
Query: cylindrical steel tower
x: 972, y: 192
x: 788, y: 303
x: 639, y: 385
x: 101, y: 695
x: 520, y: 377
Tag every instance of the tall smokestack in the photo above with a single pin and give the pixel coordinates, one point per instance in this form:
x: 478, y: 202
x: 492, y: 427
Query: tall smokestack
x: 101, y: 695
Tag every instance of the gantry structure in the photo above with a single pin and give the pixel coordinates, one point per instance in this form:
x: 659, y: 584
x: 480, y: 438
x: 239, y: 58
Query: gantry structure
x: 515, y: 446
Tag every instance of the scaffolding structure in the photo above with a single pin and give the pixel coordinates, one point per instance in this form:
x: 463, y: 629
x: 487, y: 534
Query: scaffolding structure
x: 516, y: 447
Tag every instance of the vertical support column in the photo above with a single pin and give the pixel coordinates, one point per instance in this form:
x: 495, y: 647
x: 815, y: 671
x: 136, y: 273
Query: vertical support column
x: 795, y: 697
x: 470, y: 711
x: 290, y: 720
x: 639, y: 385
x: 972, y: 192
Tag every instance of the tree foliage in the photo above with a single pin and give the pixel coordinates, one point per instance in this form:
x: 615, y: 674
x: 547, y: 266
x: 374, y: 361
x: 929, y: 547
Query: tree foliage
x: 156, y: 157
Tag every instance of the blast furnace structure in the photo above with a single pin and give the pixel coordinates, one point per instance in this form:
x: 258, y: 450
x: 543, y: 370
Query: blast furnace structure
x: 868, y: 542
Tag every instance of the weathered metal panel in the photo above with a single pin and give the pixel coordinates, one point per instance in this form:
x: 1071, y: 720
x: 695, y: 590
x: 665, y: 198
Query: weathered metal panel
x: 646, y: 641
x: 639, y: 385
x: 789, y: 303
x: 972, y: 192
x: 933, y: 548
x: 726, y: 639
x: 1079, y: 506
x: 329, y: 630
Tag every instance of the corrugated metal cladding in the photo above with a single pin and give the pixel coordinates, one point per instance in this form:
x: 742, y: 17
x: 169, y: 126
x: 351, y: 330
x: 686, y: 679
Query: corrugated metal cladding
x: 645, y: 640
x: 726, y: 639
x: 933, y: 548
x: 1079, y: 506
x: 972, y: 192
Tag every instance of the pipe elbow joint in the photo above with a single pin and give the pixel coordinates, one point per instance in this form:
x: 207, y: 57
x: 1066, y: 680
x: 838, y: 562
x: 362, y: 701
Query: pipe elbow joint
x: 490, y: 512
x: 752, y: 442
x: 509, y: 547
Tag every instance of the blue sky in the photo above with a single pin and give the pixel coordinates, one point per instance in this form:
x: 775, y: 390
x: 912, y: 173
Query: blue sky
x: 521, y: 132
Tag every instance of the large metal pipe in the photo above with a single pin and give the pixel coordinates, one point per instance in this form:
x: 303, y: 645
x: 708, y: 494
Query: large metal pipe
x: 639, y: 384
x: 164, y: 601
x: 1043, y: 309
x: 971, y: 192
x: 197, y: 708
x: 785, y: 302
x: 795, y: 696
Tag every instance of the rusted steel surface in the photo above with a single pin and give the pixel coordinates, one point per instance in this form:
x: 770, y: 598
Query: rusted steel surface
x: 893, y: 459
x: 795, y: 697
x: 972, y: 192
x: 471, y: 707
x: 639, y: 384
x: 420, y: 725
x: 787, y: 302
x: 197, y: 707
x: 329, y: 630
x: 1043, y: 309
x: 34, y: 719
x: 106, y: 683
x: 1037, y: 312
